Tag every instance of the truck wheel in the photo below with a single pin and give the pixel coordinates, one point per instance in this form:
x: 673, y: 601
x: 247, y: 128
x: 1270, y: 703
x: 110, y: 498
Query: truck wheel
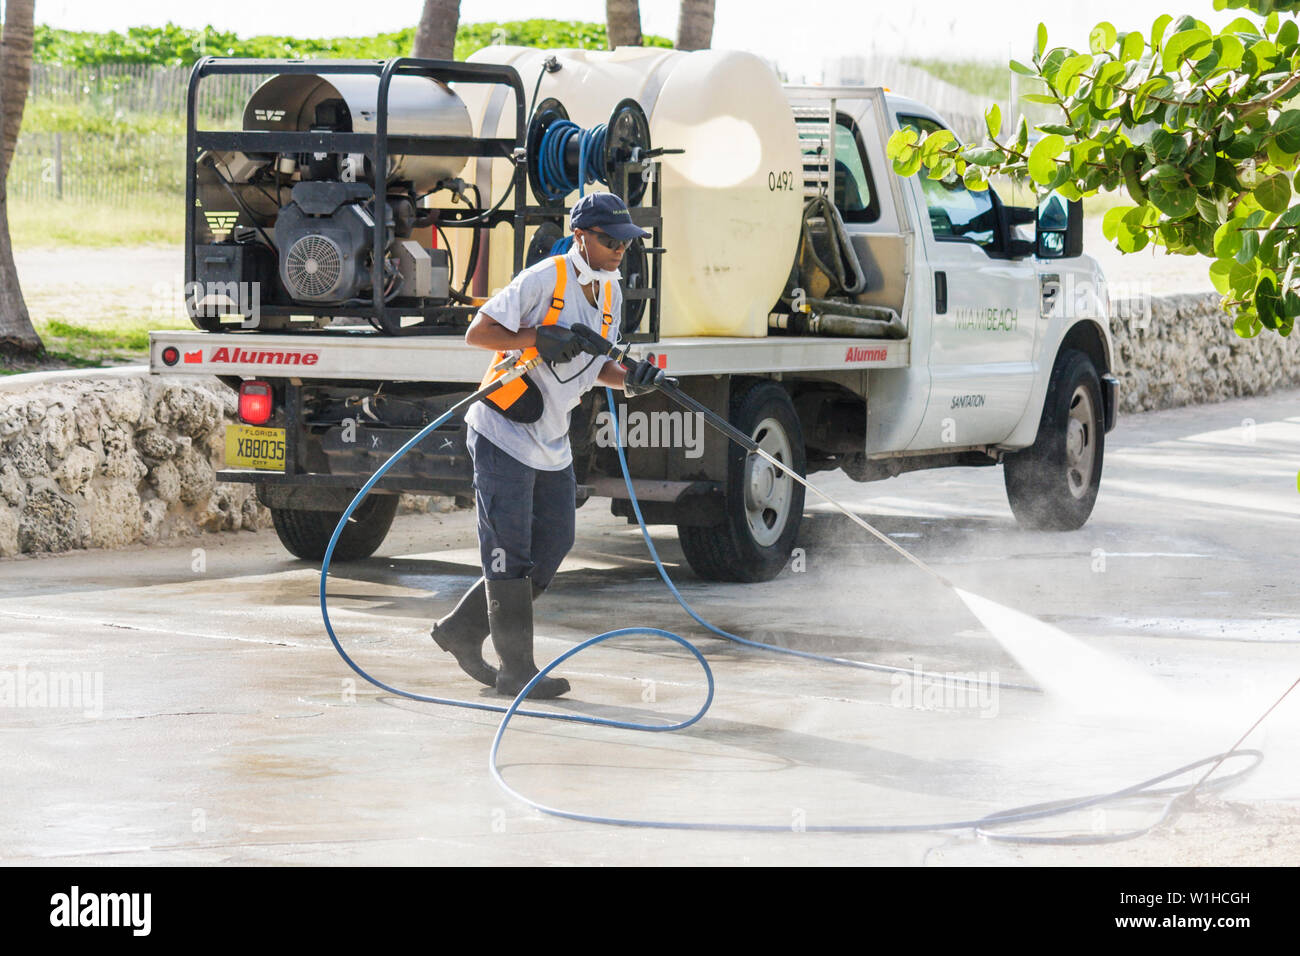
x: 763, y: 505
x: 306, y: 534
x: 1052, y: 485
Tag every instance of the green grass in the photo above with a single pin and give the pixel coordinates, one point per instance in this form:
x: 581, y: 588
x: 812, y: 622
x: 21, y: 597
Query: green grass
x: 18, y: 367
x: 103, y: 340
x: 76, y: 336
x: 52, y: 361
x: 991, y: 80
x: 116, y: 337
x: 988, y: 79
x: 149, y: 220
x: 174, y: 45
x: 94, y: 342
x: 85, y: 116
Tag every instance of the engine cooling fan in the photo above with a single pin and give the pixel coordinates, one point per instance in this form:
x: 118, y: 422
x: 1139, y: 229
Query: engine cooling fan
x: 313, y: 267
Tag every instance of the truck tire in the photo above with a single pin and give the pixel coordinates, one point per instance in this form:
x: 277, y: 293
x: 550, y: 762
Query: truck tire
x: 762, y: 507
x: 1052, y: 485
x: 306, y: 534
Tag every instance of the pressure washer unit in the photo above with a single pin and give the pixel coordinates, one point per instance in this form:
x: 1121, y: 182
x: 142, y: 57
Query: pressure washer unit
x: 334, y: 202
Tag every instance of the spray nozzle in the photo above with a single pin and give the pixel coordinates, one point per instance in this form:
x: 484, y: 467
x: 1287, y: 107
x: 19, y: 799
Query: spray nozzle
x: 593, y: 343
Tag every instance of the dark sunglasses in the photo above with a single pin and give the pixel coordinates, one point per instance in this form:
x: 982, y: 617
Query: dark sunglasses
x: 608, y: 241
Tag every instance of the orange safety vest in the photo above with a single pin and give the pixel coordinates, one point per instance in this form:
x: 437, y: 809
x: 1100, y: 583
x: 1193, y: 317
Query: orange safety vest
x: 521, y: 400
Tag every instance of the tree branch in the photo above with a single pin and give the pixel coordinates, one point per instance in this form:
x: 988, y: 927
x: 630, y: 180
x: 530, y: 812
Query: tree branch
x: 1292, y: 82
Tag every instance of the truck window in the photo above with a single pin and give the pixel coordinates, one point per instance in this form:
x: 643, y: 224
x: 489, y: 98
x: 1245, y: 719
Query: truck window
x: 855, y: 192
x: 956, y: 213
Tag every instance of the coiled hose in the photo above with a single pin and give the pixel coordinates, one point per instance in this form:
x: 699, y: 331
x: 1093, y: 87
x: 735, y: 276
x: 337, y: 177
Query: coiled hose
x: 843, y: 270
x: 983, y: 826
x: 552, y: 171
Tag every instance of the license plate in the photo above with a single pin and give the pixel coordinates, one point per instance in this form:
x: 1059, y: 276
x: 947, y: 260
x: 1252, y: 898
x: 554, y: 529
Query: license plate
x: 248, y: 446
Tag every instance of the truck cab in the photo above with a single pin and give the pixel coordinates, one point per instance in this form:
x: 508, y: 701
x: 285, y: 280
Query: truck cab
x: 985, y: 309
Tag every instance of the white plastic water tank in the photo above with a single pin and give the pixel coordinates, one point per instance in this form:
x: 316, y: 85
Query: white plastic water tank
x: 731, y: 203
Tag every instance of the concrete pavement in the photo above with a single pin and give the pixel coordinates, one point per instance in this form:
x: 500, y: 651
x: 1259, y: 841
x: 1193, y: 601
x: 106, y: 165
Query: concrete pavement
x: 226, y: 730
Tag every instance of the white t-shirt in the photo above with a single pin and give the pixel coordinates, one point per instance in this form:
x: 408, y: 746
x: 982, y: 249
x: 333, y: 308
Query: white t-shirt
x: 544, y: 444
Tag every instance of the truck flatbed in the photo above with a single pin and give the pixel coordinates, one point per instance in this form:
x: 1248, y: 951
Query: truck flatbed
x: 367, y: 356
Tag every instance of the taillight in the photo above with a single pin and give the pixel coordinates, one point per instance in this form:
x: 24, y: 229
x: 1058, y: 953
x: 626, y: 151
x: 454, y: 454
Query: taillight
x: 254, y: 403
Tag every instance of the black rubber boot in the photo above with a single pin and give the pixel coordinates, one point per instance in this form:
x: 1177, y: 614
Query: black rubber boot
x: 462, y: 633
x: 510, y: 614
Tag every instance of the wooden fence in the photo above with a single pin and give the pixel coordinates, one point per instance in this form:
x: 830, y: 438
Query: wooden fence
x: 116, y: 168
x: 141, y: 88
x: 106, y: 169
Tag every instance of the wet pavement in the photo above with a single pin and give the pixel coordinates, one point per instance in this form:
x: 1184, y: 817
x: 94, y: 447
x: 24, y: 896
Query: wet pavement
x: 182, y: 705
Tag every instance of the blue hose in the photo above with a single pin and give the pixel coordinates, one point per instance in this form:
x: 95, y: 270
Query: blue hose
x: 982, y: 825
x: 476, y: 705
x: 552, y: 173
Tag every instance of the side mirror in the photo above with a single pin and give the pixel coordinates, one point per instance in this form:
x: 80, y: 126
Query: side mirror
x: 1008, y: 218
x: 1058, y: 230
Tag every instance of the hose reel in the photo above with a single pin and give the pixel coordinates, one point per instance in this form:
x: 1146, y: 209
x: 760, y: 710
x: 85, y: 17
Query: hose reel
x: 563, y: 156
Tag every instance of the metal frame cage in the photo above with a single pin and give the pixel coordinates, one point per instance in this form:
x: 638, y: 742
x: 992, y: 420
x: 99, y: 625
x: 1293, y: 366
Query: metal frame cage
x: 377, y: 146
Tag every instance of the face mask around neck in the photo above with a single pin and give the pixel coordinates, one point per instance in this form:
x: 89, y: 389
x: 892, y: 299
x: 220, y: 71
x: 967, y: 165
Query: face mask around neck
x: 586, y: 273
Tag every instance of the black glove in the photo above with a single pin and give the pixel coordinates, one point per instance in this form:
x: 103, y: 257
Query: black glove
x: 643, y: 377
x: 557, y: 344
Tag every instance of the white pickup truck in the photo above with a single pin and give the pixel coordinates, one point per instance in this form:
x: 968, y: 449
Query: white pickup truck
x: 1000, y: 354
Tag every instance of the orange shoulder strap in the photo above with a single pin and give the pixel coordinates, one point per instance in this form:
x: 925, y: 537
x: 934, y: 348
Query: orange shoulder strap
x: 557, y: 297
x: 507, y: 394
x: 608, y: 317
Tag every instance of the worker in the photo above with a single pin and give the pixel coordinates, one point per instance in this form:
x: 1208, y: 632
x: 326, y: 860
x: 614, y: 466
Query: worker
x: 518, y: 438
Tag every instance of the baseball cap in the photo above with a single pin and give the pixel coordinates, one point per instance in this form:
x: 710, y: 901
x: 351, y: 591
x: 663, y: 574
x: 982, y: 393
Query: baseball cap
x: 607, y: 213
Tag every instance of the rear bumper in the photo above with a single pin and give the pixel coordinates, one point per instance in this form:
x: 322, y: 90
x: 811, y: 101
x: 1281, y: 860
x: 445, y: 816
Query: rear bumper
x: 327, y: 464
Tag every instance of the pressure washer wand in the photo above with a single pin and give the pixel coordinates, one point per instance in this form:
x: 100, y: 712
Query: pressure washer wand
x: 721, y: 424
x: 596, y: 344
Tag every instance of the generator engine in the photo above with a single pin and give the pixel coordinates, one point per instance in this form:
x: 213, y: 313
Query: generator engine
x: 324, y: 236
x: 291, y: 235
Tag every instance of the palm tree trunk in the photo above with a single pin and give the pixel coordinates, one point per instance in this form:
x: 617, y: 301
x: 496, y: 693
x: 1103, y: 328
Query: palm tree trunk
x: 16, y: 332
x: 695, y: 25
x: 623, y: 23
x: 435, y: 37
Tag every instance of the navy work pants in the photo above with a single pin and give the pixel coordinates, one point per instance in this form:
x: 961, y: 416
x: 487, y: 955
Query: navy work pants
x: 525, y: 515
